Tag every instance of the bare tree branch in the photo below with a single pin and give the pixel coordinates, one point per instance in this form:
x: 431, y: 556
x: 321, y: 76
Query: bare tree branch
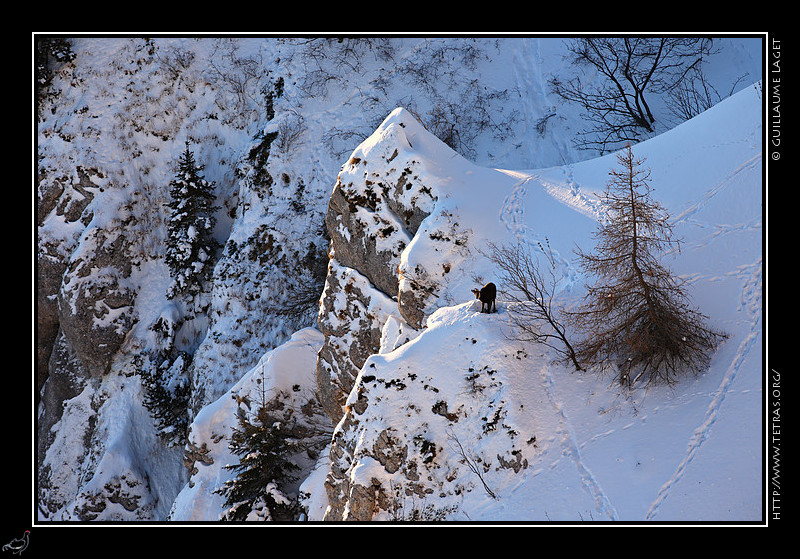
x: 470, y: 462
x: 633, y: 67
x: 532, y: 294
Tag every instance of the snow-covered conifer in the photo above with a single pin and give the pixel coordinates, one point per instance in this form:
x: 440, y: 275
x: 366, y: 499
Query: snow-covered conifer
x: 190, y: 240
x: 266, y: 442
x: 166, y: 397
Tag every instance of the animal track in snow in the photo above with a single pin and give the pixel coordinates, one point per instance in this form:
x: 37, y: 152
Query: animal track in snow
x: 750, y: 294
x: 571, y: 448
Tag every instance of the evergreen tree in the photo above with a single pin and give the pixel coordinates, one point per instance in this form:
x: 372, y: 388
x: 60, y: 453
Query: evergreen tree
x: 266, y: 444
x: 190, y: 241
x: 166, y: 386
x: 637, y: 314
x: 263, y: 446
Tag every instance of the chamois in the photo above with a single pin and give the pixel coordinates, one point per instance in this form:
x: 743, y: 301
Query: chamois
x: 487, y: 295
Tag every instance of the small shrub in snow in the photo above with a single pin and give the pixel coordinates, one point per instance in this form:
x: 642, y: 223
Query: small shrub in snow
x: 532, y: 292
x: 408, y: 507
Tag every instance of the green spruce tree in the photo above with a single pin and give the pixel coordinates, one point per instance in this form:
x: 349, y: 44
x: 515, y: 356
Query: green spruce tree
x: 266, y: 444
x: 190, y: 240
x: 166, y: 397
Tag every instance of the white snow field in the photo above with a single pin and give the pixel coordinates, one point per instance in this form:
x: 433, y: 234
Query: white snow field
x: 692, y: 452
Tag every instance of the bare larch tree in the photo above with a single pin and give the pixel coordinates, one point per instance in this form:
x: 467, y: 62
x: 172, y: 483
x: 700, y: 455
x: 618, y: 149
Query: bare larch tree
x: 636, y: 317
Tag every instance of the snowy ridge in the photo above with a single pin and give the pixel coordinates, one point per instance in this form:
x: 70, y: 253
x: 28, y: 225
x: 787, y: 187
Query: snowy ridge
x: 598, y: 454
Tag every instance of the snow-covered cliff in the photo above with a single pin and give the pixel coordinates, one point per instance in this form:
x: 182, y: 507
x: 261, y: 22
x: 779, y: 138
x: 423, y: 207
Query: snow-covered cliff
x: 463, y: 422
x: 345, y: 279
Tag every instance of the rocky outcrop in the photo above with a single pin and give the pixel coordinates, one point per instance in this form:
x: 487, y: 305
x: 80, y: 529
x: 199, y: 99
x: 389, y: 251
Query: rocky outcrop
x: 375, y: 209
x: 95, y: 303
x: 399, y: 245
x: 86, y: 297
x: 63, y: 198
x: 352, y: 316
x: 375, y: 299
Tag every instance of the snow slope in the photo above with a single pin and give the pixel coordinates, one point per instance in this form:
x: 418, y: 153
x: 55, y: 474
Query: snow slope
x: 588, y: 437
x: 691, y: 452
x: 288, y: 368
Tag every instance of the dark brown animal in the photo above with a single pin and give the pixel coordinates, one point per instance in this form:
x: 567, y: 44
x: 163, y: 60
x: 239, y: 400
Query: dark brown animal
x: 487, y: 295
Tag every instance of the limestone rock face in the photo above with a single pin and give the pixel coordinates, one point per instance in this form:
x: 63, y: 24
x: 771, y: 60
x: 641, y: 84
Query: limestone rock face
x: 352, y: 316
x: 382, y: 196
x: 65, y: 198
x: 95, y: 304
x: 377, y: 205
x: 88, y: 255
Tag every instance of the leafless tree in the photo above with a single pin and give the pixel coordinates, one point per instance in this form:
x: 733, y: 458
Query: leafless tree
x: 692, y: 97
x: 637, y: 315
x: 532, y: 291
x: 695, y: 94
x: 633, y: 67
